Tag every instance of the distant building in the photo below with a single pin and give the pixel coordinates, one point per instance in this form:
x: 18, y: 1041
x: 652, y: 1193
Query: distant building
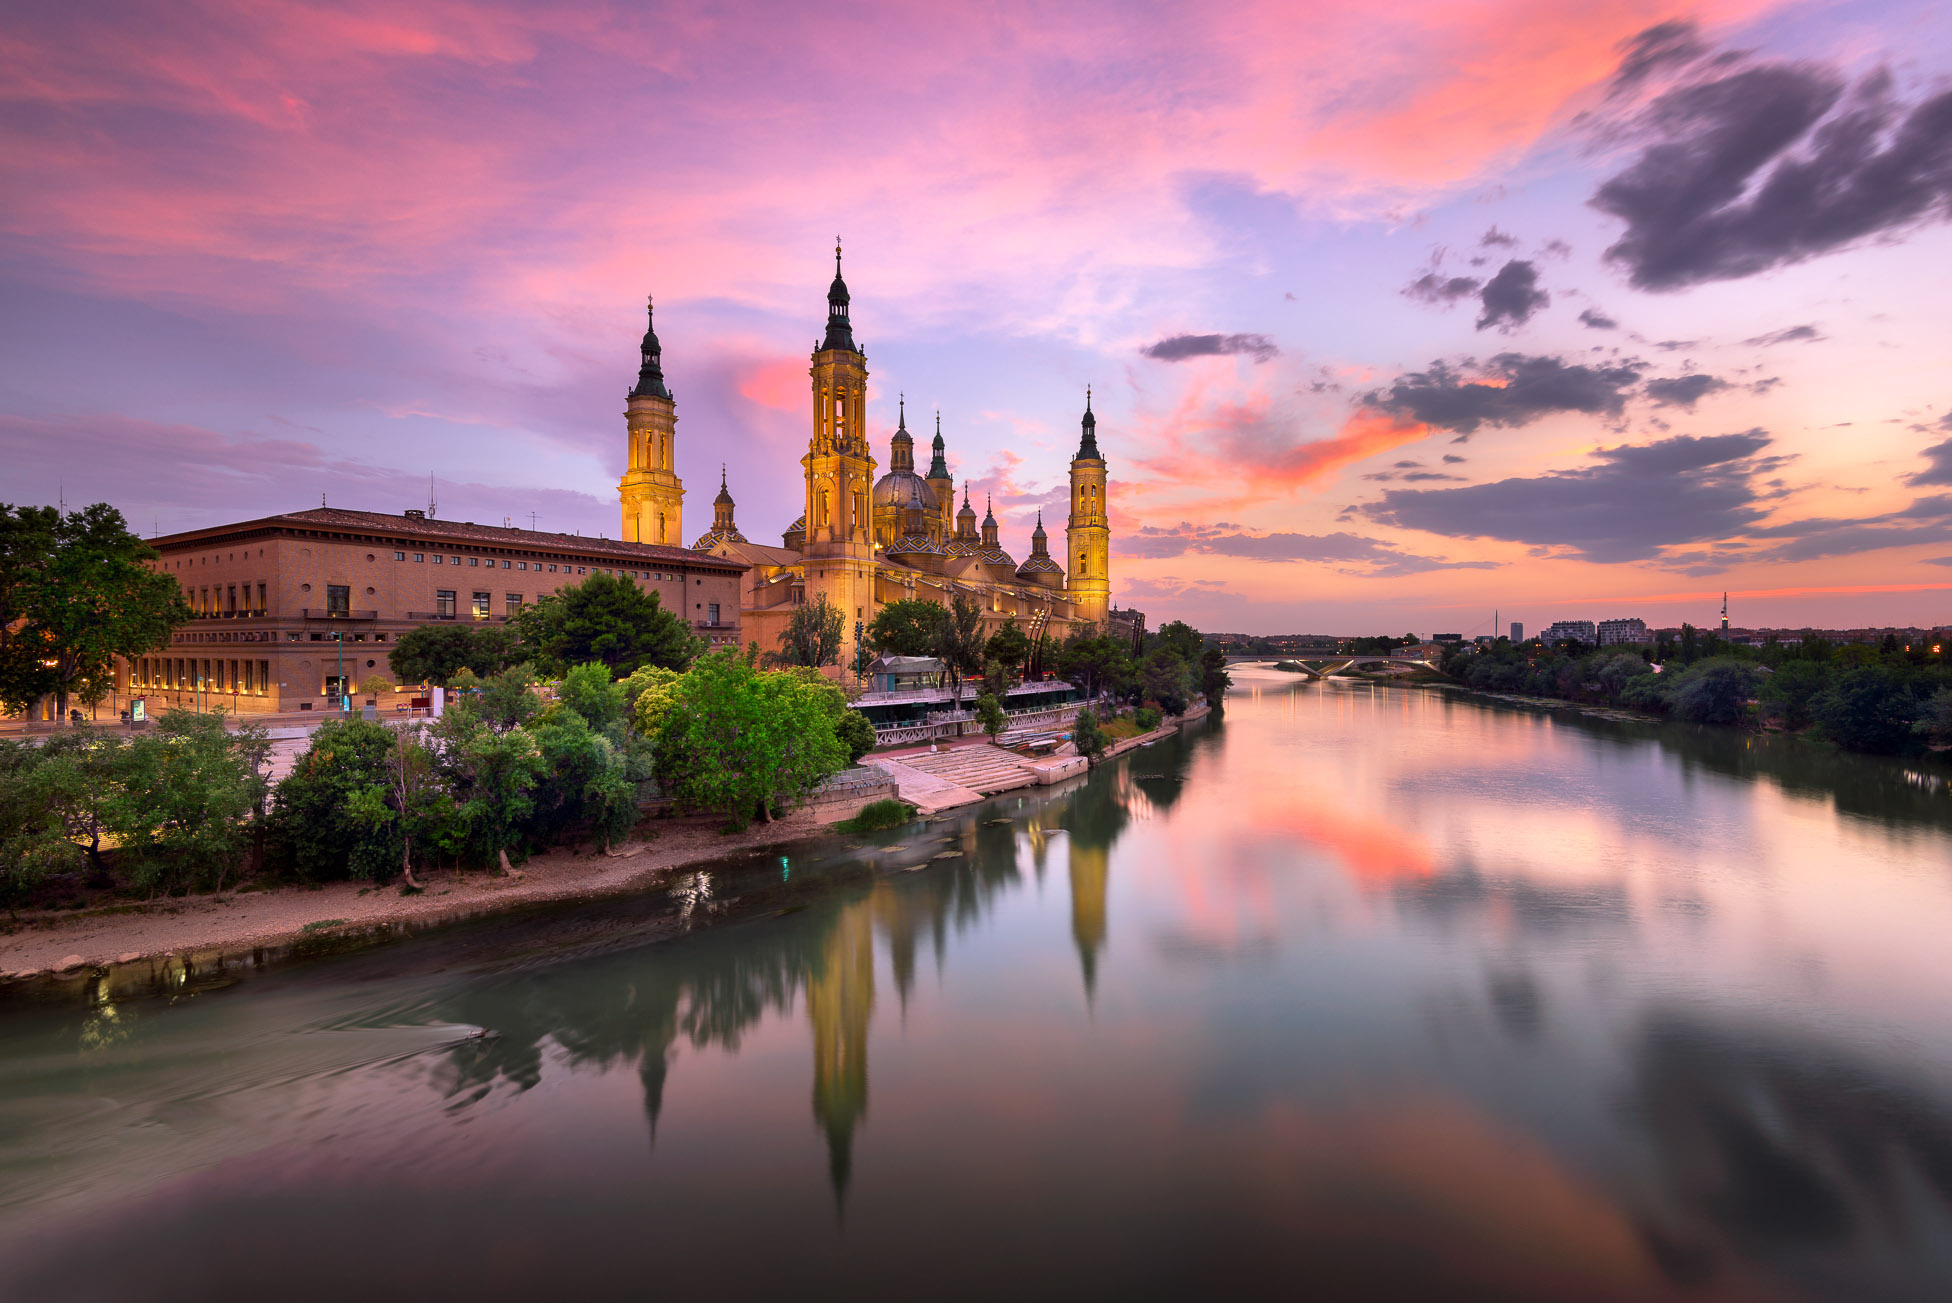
x: 1446, y: 637
x: 1577, y: 630
x: 1517, y: 631
x: 1615, y: 632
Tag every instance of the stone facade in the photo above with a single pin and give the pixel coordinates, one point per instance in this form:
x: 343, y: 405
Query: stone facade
x: 284, y: 602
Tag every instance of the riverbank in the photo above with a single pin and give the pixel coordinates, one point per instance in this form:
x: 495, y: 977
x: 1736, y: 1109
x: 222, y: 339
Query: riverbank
x: 275, y: 918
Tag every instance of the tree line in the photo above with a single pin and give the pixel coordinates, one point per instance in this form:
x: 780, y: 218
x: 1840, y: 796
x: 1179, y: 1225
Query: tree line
x: 1884, y: 698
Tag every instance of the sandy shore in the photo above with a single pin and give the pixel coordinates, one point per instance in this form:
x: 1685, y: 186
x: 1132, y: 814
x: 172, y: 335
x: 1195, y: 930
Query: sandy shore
x: 248, y: 920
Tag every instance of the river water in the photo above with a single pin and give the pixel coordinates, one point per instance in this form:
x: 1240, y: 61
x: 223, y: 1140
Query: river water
x: 1361, y: 991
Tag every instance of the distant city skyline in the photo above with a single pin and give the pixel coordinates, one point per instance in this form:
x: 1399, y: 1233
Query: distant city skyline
x: 1394, y: 318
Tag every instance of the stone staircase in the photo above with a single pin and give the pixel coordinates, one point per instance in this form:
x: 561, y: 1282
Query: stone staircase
x: 984, y: 769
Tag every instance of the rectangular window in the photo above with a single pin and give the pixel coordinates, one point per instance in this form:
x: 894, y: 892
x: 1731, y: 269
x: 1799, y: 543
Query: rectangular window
x: 522, y: 566
x: 504, y: 565
x: 421, y: 556
x: 439, y: 559
x: 338, y: 599
x: 399, y: 556
x: 480, y: 606
x: 514, y: 603
x: 261, y: 606
x: 249, y: 682
x: 230, y: 600
x: 444, y: 603
x: 454, y: 560
x: 711, y: 613
x: 552, y: 570
x: 581, y: 571
x: 475, y: 561
x: 264, y: 677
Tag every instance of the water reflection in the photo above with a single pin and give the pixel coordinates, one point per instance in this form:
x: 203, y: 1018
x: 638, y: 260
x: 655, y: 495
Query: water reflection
x: 1390, y: 993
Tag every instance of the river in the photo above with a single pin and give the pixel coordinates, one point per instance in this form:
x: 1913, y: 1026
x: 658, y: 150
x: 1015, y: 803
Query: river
x: 1360, y: 991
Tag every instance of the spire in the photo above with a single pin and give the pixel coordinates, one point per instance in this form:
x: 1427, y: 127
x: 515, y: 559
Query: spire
x: 1088, y: 445
x: 939, y: 468
x: 1038, y: 538
x: 840, y: 332
x: 901, y: 449
x: 724, y: 495
x: 650, y: 375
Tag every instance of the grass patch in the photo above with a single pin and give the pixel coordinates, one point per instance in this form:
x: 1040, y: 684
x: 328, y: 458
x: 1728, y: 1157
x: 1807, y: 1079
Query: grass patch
x: 877, y: 815
x: 1123, y: 727
x: 321, y: 925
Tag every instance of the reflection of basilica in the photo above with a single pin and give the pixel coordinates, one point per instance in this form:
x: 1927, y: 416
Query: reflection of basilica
x: 634, y: 1007
x: 840, y: 1000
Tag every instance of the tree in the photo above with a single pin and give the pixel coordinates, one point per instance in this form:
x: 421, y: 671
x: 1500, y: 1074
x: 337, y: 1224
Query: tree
x: 374, y: 685
x: 1866, y: 709
x: 1937, y: 716
x: 76, y: 592
x: 909, y: 627
x: 319, y: 828
x: 1096, y: 665
x: 189, y: 789
x: 54, y: 800
x: 990, y: 715
x: 409, y: 799
x: 494, y: 774
x: 1789, y: 692
x: 1185, y: 641
x: 1214, y: 679
x: 438, y: 653
x: 1713, y: 691
x: 609, y: 620
x: 996, y: 678
x: 1165, y: 678
x: 1089, y: 737
x: 959, y: 644
x: 812, y: 635
x: 1008, y: 645
x: 855, y: 733
x: 742, y: 741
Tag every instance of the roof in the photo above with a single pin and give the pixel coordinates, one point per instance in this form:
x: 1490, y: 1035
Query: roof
x: 454, y: 531
x: 905, y: 665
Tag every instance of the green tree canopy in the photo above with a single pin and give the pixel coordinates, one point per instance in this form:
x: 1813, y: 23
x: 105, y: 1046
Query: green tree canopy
x: 437, y: 653
x: 607, y: 620
x: 909, y: 627
x: 76, y: 591
x: 959, y: 643
x: 1008, y: 645
x: 1097, y: 665
x: 744, y: 742
x: 812, y: 636
x: 1167, y: 679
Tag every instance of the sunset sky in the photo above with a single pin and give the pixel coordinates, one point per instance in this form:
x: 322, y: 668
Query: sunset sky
x: 1393, y: 314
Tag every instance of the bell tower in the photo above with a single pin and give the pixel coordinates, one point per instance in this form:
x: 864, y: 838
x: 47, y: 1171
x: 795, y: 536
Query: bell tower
x: 652, y: 495
x: 1088, y: 535
x: 838, y: 556
x: 943, y: 488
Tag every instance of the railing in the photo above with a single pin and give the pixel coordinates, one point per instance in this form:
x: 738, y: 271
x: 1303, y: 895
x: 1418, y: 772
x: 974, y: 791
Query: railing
x: 325, y: 613
x: 432, y: 615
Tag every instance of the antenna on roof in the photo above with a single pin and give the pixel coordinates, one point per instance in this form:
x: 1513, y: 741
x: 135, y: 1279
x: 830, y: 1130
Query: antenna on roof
x: 61, y: 496
x: 430, y: 495
x: 532, y: 522
x: 321, y: 497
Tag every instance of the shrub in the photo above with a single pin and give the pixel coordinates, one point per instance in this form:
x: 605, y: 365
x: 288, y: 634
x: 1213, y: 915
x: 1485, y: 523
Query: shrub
x: 1088, y: 735
x: 1866, y: 709
x: 855, y: 733
x: 878, y: 815
x: 316, y: 830
x: 1147, y: 718
x: 989, y: 713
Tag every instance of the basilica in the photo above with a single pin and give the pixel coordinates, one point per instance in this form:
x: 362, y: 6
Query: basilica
x: 864, y: 541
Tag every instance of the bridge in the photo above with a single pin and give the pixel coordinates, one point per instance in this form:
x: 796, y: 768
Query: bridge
x: 1323, y: 665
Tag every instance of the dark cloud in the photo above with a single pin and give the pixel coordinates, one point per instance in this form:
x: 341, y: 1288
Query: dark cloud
x: 1496, y: 238
x: 1669, y: 44
x: 1515, y: 389
x: 1939, y: 463
x: 1374, y: 556
x: 1747, y: 165
x: 1597, y: 320
x: 1442, y: 290
x: 1512, y: 296
x: 1452, y: 458
x: 1684, y: 391
x: 1636, y: 501
x: 1791, y: 335
x: 1177, y: 348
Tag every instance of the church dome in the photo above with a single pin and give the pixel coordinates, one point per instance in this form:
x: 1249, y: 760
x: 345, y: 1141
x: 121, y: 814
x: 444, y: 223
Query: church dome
x: 903, y: 489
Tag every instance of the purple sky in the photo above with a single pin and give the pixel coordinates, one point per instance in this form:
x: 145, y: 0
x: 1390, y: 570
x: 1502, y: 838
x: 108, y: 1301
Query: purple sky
x: 1394, y: 315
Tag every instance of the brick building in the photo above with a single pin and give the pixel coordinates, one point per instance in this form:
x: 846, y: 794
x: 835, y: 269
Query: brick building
x: 284, y: 602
